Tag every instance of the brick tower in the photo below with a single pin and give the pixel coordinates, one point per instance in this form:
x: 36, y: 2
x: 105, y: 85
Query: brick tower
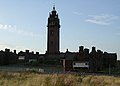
x: 53, y: 33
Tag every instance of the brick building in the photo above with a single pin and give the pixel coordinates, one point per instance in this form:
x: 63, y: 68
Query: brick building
x: 7, y: 57
x: 86, y: 61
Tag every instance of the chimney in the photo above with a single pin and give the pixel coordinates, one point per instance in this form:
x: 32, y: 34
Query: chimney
x: 27, y: 51
x: 37, y: 53
x: 7, y: 50
x: 67, y: 50
x: 14, y: 51
x: 93, y: 49
x: 81, y: 48
x: 86, y: 51
x: 32, y: 52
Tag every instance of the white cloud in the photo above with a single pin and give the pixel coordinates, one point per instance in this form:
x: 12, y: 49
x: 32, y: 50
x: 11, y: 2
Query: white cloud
x: 6, y: 27
x: 12, y: 28
x: 25, y: 33
x: 77, y: 13
x: 103, y: 19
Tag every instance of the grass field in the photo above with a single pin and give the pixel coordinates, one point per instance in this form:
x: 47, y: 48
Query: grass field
x: 36, y: 79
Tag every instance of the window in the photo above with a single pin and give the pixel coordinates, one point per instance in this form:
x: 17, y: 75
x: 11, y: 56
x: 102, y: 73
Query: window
x: 21, y: 57
x: 51, y: 32
x: 52, y: 23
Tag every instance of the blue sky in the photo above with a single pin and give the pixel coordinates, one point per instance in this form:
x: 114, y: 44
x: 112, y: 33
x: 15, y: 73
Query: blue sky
x: 83, y: 22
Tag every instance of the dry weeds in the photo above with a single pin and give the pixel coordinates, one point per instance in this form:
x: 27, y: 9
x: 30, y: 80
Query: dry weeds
x: 35, y: 79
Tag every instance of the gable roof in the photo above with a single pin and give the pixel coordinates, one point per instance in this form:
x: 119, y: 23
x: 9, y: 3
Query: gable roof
x: 70, y: 55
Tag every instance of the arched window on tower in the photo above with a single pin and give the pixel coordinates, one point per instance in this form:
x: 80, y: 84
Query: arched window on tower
x: 51, y: 32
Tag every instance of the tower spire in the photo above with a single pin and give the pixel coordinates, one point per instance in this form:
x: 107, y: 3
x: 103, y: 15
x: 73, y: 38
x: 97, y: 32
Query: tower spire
x: 54, y: 7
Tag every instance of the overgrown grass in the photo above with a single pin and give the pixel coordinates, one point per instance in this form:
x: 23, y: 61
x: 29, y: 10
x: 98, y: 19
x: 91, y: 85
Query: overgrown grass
x: 37, y: 79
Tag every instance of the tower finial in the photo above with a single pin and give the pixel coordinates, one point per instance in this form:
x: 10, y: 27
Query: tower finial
x: 54, y: 6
